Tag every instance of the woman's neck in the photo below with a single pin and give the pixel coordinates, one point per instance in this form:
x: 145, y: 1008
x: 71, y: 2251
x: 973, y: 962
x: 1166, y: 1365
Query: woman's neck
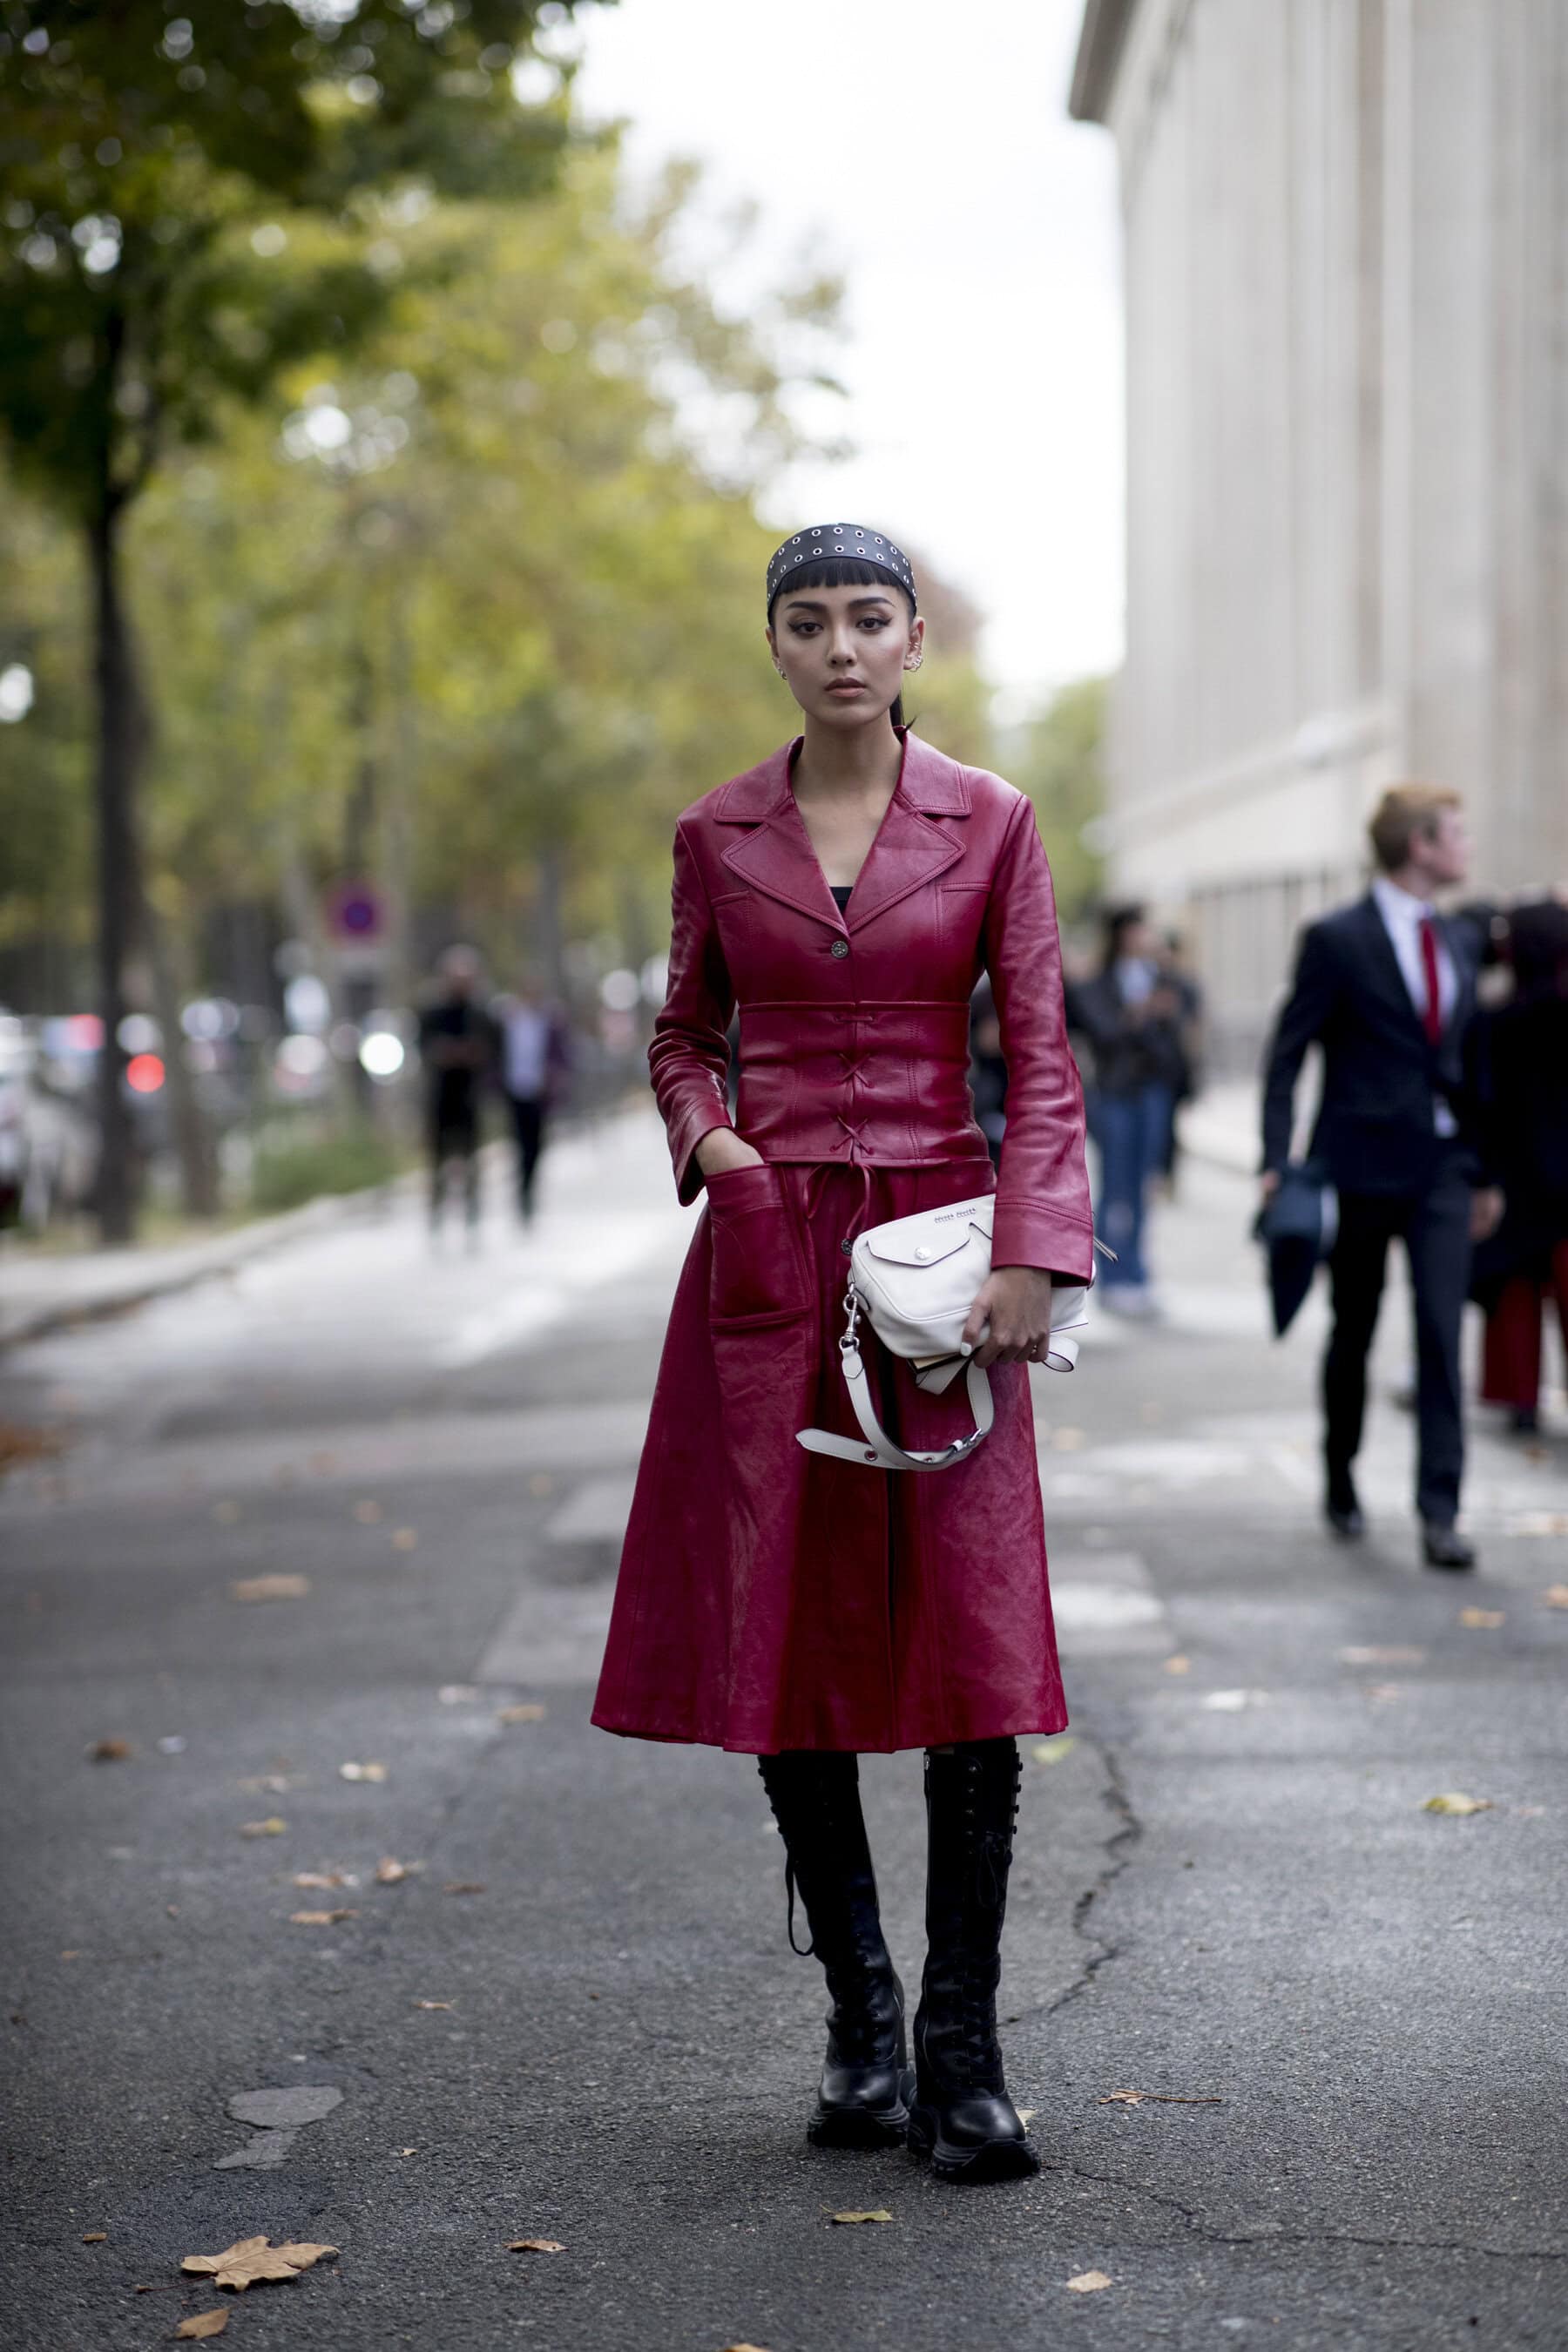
x: 835, y: 765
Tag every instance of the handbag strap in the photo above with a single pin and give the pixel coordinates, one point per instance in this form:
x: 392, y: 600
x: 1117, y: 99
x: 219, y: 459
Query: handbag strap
x: 878, y: 1449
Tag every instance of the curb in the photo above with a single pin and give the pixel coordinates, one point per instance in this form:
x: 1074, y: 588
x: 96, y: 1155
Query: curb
x: 220, y: 1255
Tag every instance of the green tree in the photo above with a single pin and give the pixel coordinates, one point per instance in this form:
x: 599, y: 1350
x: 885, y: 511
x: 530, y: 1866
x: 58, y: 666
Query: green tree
x: 1060, y: 761
x: 144, y: 155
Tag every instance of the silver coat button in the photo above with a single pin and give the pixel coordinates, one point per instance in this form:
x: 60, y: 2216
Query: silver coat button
x: 840, y: 947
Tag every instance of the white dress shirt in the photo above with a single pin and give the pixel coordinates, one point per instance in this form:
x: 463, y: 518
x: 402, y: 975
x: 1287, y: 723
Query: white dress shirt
x: 1403, y: 916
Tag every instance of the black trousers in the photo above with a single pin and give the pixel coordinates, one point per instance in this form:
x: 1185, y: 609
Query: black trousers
x: 1434, y: 1228
x: 528, y: 1123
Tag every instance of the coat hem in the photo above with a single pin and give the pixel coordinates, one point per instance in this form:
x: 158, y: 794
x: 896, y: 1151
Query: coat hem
x: 1044, y: 1725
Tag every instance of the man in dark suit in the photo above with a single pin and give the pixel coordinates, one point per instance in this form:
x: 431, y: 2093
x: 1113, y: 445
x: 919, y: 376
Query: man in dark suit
x: 1387, y: 988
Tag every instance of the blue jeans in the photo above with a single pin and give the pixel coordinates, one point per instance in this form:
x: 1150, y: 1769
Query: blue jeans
x: 1131, y: 1131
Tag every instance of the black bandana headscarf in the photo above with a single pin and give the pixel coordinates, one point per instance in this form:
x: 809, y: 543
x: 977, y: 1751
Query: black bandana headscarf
x: 846, y: 542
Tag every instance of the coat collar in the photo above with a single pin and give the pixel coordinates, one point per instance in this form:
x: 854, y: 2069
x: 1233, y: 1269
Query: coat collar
x: 775, y: 855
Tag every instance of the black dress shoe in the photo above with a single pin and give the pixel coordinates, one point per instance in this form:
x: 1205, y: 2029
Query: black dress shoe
x: 1344, y: 1512
x: 1446, y: 1547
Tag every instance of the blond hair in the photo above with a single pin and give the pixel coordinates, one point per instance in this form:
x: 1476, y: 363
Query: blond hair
x: 1404, y: 810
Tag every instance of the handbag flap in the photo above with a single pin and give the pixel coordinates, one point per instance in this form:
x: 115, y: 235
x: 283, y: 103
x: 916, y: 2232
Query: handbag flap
x: 931, y: 1235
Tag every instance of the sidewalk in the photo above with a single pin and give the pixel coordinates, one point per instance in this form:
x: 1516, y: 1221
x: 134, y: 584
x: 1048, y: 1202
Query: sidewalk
x: 42, y: 1294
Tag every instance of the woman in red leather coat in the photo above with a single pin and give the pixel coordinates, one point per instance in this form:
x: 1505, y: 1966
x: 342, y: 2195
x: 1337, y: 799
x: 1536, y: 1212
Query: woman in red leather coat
x: 846, y: 894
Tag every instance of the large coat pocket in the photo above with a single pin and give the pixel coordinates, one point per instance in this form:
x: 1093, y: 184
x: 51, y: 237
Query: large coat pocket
x: 759, y: 1262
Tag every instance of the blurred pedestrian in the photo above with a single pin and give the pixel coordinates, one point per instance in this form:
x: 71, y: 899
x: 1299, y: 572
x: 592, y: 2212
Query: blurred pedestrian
x: 1187, y: 1023
x: 457, y: 1047
x: 804, y: 1604
x: 1387, y: 989
x: 1129, y: 1015
x: 988, y: 1070
x: 1520, y: 1060
x: 535, y: 1063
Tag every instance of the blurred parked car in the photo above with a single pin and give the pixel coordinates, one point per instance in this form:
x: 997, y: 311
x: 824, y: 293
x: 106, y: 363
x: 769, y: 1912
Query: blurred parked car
x: 48, y: 1146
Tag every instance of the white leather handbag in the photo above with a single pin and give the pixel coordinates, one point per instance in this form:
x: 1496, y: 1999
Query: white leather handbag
x: 915, y: 1280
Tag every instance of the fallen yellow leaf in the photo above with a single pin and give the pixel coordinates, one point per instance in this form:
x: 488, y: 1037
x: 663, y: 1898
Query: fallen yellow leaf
x: 109, y: 1751
x: 95, y: 2238
x: 322, y: 1878
x: 432, y: 2004
x: 1088, y: 2282
x: 404, y: 1538
x: 529, y: 1713
x: 271, y: 1588
x: 878, y: 2213
x: 1481, y: 1620
x: 535, y: 2246
x: 1050, y: 1751
x: 204, y: 2322
x: 318, y: 1918
x: 249, y: 2260
x: 273, y: 1826
x: 362, y: 1771
x: 390, y: 1872
x: 1556, y: 1596
x: 1177, y: 1666
x: 1456, y: 1802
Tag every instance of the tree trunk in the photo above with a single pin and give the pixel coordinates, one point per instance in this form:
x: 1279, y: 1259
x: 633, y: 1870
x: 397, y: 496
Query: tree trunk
x: 192, y: 1137
x: 120, y: 737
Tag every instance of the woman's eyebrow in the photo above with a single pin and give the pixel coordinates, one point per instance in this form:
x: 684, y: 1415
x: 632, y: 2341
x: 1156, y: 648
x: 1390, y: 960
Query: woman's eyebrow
x: 815, y: 605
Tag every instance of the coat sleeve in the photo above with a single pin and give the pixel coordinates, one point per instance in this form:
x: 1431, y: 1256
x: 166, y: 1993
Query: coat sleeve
x: 1304, y: 1017
x: 1042, y: 1216
x: 690, y: 1055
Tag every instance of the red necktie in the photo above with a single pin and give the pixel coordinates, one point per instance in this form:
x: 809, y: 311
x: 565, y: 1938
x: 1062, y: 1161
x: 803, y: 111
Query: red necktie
x: 1432, y: 1018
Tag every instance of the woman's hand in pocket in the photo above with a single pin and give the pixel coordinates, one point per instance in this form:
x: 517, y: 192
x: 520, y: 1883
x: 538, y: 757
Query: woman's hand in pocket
x: 1015, y: 1301
x: 722, y: 1150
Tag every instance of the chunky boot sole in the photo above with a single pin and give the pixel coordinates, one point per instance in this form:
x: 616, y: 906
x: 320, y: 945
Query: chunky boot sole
x: 864, y: 2127
x: 964, y: 2166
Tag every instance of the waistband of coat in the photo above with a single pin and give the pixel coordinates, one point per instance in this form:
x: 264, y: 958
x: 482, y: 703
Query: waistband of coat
x: 937, y: 1032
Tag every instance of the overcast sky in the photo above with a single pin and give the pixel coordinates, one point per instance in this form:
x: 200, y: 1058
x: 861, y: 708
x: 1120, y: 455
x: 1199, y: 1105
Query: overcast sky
x: 923, y: 149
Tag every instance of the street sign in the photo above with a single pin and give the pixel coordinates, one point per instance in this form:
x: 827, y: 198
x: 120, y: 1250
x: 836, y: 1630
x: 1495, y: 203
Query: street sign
x: 355, y: 914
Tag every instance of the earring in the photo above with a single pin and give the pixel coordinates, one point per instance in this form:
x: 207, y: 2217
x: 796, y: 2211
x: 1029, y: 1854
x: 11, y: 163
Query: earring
x: 913, y: 661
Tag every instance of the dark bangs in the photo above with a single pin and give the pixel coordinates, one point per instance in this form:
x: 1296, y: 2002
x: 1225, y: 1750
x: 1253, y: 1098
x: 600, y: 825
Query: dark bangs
x: 838, y: 571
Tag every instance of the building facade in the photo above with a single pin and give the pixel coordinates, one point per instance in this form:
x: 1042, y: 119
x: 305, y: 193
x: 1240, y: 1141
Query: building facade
x: 1346, y: 227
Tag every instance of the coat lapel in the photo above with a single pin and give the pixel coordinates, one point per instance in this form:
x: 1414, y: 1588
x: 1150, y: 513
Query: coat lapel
x: 775, y: 856
x: 1385, y: 963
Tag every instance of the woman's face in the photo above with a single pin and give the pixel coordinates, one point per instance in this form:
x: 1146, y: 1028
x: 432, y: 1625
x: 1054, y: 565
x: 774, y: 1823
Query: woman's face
x: 843, y: 651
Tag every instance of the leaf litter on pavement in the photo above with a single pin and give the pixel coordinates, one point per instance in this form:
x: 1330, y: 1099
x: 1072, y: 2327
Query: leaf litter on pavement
x: 1456, y: 1802
x: 535, y: 2246
x: 1087, y: 2283
x: 361, y: 1772
x: 204, y: 2322
x: 1481, y: 1621
x: 270, y: 1588
x: 249, y: 2261
x: 1157, y: 2099
x: 850, y: 2220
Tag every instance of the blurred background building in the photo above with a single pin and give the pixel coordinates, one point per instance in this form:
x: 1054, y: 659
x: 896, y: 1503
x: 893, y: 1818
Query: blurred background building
x: 1346, y: 230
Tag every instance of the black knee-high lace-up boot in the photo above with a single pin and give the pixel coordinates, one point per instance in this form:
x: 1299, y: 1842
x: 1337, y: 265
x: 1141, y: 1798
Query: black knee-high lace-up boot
x: 867, y: 2081
x: 962, y: 2116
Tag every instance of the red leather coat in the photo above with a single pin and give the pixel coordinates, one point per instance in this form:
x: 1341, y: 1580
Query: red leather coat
x: 771, y: 1598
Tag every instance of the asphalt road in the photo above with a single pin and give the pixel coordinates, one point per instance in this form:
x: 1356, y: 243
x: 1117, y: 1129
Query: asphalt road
x: 575, y: 2017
